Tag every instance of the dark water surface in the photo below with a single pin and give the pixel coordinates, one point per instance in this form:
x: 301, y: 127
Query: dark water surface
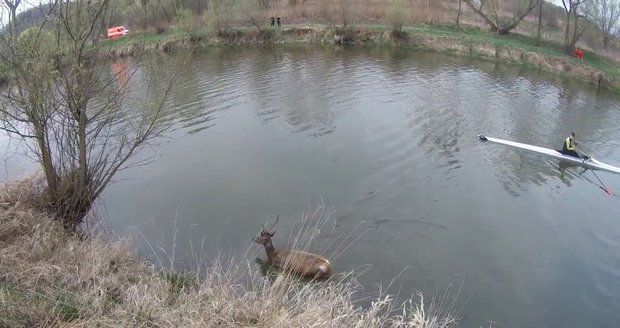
x: 387, y: 139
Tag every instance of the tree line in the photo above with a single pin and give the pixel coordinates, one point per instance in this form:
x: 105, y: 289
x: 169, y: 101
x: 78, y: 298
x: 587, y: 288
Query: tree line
x: 605, y: 14
x: 502, y: 16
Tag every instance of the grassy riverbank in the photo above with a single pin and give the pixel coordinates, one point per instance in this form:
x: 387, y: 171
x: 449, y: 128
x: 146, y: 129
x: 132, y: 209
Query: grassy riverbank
x: 49, y: 278
x: 467, y: 41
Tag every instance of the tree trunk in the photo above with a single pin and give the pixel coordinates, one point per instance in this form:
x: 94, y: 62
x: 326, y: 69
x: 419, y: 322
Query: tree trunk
x: 567, y: 32
x: 574, y: 37
x: 504, y: 31
x: 46, y: 160
x: 495, y: 23
x: 540, y: 9
x: 489, y: 22
x: 13, y: 19
x: 82, y: 155
x: 458, y: 15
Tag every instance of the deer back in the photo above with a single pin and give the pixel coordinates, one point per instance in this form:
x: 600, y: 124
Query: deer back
x: 303, y: 263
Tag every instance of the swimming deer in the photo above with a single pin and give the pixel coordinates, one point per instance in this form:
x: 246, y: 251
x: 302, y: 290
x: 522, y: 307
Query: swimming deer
x: 304, y: 264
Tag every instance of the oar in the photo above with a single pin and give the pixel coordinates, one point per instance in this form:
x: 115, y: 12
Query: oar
x: 607, y: 190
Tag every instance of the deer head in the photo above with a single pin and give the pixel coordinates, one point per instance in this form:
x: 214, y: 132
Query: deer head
x: 266, y: 233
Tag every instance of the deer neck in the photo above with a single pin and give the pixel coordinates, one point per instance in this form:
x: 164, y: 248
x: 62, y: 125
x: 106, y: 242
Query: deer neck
x: 271, y: 251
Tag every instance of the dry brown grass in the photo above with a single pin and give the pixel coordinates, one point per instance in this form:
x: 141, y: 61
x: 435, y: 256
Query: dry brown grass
x: 360, y: 11
x: 49, y: 278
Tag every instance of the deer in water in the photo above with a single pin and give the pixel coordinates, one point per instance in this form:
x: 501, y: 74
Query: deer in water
x: 304, y: 264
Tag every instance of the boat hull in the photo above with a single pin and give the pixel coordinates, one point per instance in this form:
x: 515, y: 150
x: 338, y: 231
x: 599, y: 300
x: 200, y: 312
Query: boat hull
x: 589, y: 163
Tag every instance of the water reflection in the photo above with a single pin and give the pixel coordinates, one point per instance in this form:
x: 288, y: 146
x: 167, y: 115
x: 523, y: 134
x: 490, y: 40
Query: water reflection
x: 121, y: 72
x: 440, y: 100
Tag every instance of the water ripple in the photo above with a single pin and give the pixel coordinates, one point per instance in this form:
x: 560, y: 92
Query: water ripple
x: 389, y: 138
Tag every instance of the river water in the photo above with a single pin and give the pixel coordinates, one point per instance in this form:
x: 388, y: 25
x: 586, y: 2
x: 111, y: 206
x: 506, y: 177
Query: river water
x: 386, y: 141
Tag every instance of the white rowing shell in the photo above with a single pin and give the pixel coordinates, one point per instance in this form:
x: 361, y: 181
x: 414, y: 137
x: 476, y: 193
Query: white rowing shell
x: 588, y: 163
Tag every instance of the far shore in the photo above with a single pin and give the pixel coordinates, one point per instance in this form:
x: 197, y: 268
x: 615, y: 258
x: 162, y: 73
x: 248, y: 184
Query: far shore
x: 465, y: 41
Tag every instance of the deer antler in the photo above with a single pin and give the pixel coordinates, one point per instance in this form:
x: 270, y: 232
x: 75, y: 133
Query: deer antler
x: 273, y: 224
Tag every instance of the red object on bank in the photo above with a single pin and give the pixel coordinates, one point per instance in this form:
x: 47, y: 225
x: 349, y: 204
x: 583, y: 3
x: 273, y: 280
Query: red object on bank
x: 578, y: 53
x: 117, y: 32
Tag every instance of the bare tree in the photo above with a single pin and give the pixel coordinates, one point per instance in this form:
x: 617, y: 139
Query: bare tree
x: 397, y: 16
x: 493, y: 12
x: 221, y: 14
x: 12, y: 6
x: 605, y: 13
x: 251, y: 10
x: 148, y: 12
x: 345, y: 13
x: 572, y: 9
x: 264, y: 4
x: 69, y: 112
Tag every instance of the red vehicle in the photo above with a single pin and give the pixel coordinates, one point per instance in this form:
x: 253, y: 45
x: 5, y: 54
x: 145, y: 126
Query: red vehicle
x: 117, y: 32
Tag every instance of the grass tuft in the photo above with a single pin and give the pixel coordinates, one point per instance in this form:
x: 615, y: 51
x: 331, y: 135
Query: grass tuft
x: 179, y: 281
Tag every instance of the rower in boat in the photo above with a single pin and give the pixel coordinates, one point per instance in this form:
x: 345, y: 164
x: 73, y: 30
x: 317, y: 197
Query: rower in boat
x: 582, y: 160
x: 568, y: 148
